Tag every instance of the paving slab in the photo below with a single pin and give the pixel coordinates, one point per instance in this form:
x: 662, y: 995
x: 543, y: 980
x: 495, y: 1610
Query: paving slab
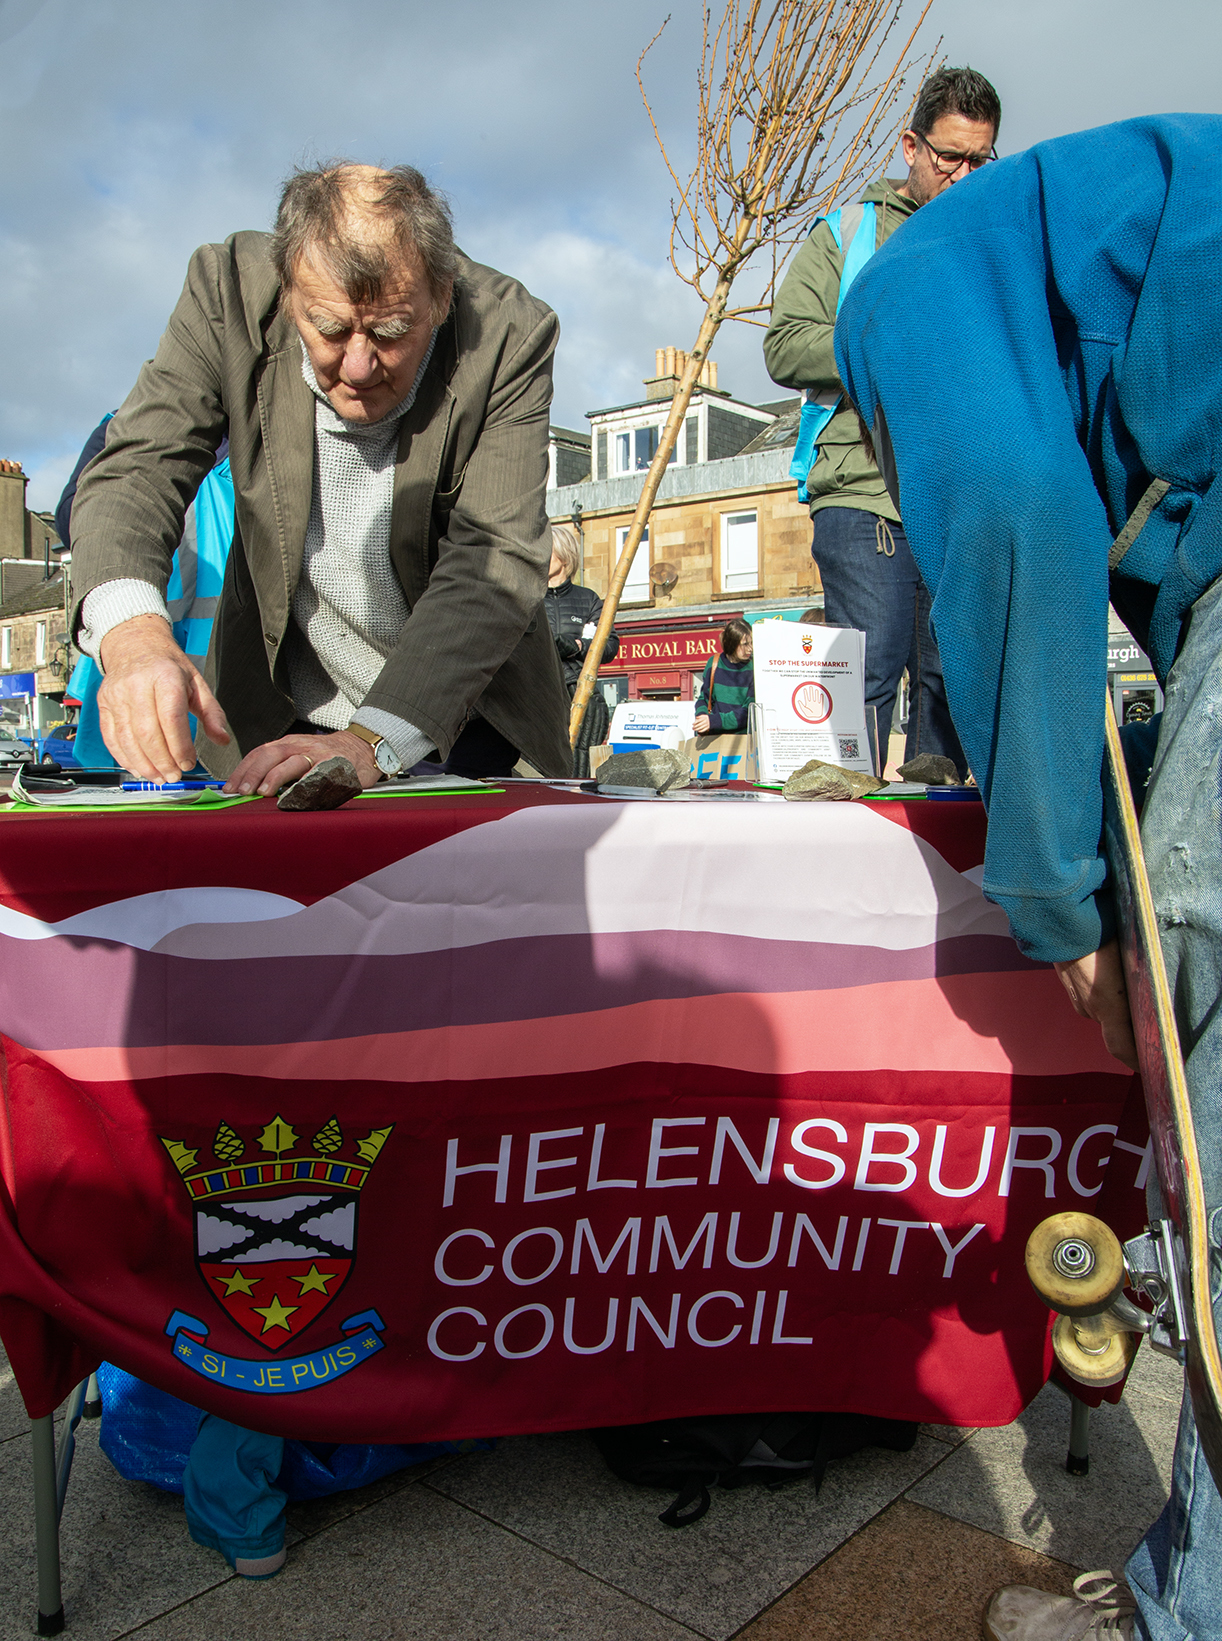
x: 125, y: 1552
x: 714, y: 1575
x: 1013, y: 1482
x: 309, y: 1516
x: 911, y: 1575
x: 417, y: 1567
x: 952, y: 1433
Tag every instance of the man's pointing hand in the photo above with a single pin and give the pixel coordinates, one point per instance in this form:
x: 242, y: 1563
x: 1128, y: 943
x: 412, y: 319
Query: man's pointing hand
x: 149, y: 689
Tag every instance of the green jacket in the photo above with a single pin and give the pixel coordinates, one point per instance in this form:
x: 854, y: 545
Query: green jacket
x: 798, y: 353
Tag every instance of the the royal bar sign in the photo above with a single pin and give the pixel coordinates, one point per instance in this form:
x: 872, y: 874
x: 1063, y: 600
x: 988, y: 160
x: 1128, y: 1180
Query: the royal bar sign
x: 676, y: 648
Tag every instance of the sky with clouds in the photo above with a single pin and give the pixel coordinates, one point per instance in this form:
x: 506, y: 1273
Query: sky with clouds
x: 133, y: 130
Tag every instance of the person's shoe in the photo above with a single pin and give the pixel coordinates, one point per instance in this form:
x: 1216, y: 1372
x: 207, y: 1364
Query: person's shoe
x: 1101, y: 1609
x: 263, y: 1567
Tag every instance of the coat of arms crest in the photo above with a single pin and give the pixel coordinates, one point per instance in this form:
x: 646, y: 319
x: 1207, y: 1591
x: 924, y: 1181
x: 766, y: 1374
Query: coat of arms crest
x: 275, y: 1226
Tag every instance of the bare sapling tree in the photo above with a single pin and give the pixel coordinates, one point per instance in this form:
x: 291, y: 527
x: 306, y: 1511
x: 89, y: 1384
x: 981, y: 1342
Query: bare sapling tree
x: 797, y: 104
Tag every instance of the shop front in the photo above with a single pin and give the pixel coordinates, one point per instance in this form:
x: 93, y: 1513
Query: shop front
x: 662, y: 664
x: 662, y: 655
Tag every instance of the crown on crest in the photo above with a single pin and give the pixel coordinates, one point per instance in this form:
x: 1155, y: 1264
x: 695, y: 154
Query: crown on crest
x: 240, y: 1167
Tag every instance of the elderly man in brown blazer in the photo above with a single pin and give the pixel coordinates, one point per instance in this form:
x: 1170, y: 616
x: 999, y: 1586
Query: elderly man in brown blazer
x: 386, y: 402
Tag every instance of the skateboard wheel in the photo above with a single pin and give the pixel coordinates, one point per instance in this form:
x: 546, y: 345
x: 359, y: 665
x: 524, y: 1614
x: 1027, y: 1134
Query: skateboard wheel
x: 1088, y: 1365
x: 1075, y: 1263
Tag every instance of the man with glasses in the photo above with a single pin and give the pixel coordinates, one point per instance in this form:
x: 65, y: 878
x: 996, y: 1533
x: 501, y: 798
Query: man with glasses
x: 870, y: 580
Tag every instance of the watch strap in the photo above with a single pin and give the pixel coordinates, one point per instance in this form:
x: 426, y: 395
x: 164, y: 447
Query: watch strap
x: 369, y: 735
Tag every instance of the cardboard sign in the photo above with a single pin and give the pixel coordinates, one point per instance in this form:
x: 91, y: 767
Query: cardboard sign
x: 810, y: 698
x: 723, y: 758
x: 711, y: 757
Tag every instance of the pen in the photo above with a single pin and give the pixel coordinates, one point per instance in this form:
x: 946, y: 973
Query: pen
x: 169, y: 786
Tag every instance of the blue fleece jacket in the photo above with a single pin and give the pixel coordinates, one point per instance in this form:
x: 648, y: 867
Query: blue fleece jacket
x: 1043, y: 339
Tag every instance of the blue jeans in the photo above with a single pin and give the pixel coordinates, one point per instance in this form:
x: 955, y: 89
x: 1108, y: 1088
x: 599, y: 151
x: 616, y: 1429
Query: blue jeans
x: 1176, y: 1571
x: 232, y: 1500
x: 871, y: 582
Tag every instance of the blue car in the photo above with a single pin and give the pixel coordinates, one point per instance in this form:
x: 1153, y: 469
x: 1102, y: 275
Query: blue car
x: 58, y: 748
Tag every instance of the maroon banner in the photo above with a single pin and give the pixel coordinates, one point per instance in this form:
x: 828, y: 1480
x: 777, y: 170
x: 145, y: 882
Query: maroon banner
x: 441, y: 1118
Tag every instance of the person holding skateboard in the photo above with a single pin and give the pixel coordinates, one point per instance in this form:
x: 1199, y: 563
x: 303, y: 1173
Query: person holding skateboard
x: 1038, y: 360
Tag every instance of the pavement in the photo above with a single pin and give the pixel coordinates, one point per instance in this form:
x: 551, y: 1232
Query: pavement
x: 537, y: 1539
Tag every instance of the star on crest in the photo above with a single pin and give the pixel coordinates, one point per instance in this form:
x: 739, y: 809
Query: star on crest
x: 275, y: 1315
x: 314, y: 1281
x: 237, y: 1283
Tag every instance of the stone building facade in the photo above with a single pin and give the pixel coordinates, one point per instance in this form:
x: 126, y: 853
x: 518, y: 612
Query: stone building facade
x: 35, y: 659
x: 34, y: 653
x: 727, y: 526
x: 727, y: 532
x: 23, y: 534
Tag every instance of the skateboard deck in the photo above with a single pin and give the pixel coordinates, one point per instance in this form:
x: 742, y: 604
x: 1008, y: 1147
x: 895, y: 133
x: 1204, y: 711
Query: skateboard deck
x: 1184, y: 1235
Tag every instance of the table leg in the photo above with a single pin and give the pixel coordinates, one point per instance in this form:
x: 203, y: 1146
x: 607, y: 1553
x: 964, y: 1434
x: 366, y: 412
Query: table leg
x: 46, y: 1528
x: 93, y: 1399
x: 1077, y: 1461
x: 73, y: 1413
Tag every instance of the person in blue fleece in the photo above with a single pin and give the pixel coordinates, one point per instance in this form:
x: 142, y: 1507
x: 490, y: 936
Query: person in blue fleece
x: 1039, y: 358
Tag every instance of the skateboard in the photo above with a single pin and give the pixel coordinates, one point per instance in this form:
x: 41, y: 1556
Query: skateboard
x: 1075, y: 1262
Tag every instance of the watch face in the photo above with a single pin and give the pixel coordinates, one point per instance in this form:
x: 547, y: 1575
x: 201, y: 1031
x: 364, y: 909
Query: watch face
x: 387, y: 759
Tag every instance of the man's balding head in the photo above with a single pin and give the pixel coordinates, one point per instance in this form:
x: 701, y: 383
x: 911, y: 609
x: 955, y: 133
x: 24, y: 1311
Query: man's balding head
x: 364, y: 225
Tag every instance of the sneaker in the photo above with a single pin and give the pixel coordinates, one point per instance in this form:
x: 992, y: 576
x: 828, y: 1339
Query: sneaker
x: 1100, y: 1609
x: 263, y: 1567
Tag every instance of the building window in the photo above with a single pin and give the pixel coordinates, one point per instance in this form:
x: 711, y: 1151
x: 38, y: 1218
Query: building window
x: 40, y: 644
x: 636, y: 588
x: 740, y: 569
x: 691, y: 428
x: 600, y: 468
x: 6, y: 647
x: 635, y: 449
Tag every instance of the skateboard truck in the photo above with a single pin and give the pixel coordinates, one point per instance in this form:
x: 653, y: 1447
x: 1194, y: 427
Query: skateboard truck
x: 1079, y: 1269
x: 1156, y: 1266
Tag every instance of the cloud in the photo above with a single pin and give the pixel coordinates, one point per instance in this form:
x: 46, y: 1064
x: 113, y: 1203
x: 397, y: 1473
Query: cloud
x: 277, y: 1208
x: 212, y: 1234
x: 337, y: 1226
x: 277, y: 1248
x: 133, y: 131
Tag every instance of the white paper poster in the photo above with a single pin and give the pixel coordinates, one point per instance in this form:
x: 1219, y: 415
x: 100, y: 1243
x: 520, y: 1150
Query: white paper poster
x: 810, y: 697
x: 649, y: 723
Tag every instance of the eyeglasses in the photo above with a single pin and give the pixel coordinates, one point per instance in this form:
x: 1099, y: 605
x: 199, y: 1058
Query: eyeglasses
x: 946, y: 162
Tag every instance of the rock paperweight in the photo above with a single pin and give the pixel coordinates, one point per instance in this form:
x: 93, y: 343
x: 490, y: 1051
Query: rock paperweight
x: 654, y: 769
x: 818, y: 782
x: 931, y: 769
x: 328, y: 785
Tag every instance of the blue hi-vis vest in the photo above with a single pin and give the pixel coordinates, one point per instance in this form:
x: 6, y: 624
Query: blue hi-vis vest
x: 193, y: 595
x: 819, y: 408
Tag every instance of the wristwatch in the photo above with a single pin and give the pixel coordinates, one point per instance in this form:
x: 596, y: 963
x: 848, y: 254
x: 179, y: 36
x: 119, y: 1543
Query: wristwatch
x: 384, y: 755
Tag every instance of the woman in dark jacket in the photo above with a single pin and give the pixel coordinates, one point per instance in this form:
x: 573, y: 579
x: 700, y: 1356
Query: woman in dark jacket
x: 728, y: 686
x: 572, y: 615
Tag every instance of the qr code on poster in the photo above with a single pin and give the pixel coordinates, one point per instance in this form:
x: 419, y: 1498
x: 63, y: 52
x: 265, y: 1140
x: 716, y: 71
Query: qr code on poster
x: 850, y: 746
